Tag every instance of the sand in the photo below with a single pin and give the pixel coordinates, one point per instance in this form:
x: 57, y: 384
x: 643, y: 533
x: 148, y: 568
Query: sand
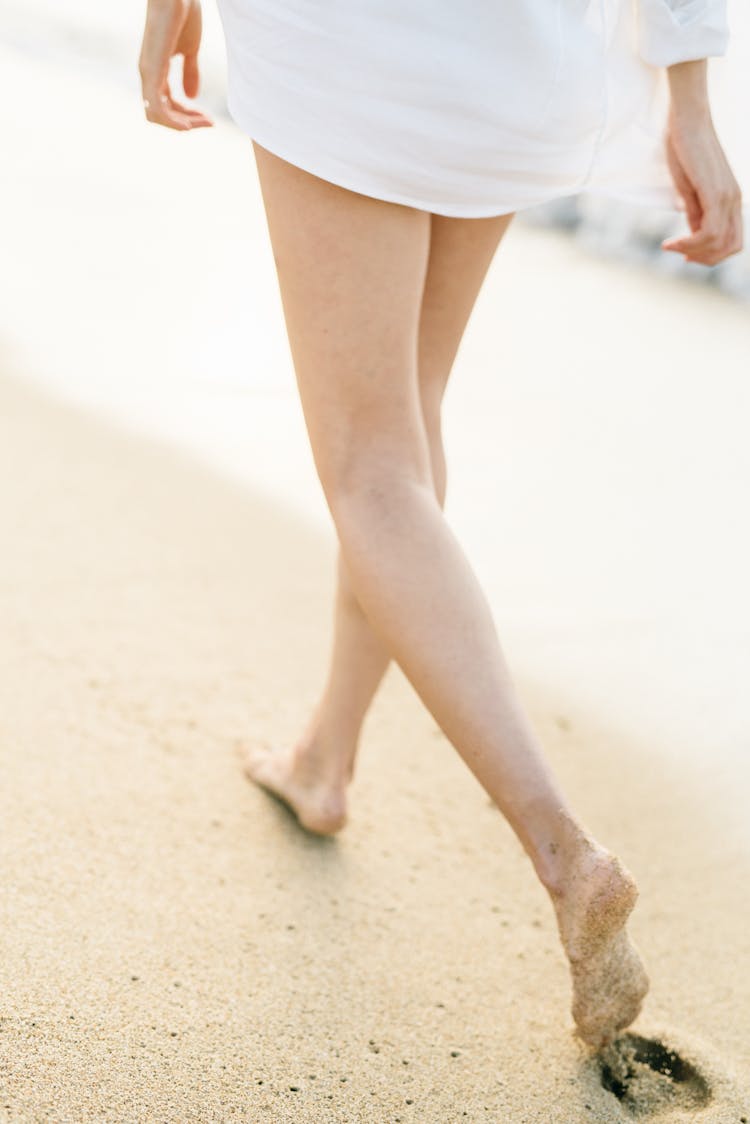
x: 176, y: 949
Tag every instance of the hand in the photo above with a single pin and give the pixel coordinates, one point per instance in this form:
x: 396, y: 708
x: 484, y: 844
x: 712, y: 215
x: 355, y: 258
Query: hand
x: 173, y: 27
x: 702, y: 176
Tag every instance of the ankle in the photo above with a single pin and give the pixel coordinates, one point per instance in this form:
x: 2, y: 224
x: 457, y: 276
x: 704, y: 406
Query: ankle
x: 319, y: 764
x: 561, y: 853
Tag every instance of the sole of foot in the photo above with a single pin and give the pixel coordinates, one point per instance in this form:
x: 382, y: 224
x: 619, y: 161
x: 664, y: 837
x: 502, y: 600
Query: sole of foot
x: 609, y: 980
x: 318, y: 809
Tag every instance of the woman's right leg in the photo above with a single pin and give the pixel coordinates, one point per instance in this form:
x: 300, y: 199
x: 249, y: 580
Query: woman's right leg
x: 351, y: 271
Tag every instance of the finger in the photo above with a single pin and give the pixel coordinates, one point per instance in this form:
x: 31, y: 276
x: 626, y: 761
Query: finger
x: 704, y: 242
x: 702, y: 255
x: 693, y: 246
x: 195, y: 115
x: 158, y: 109
x: 707, y: 255
x: 190, y: 75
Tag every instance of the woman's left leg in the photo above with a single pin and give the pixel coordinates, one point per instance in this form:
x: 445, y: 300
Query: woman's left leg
x: 313, y: 774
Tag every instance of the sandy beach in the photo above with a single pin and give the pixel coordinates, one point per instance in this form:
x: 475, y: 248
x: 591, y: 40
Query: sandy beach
x: 174, y: 947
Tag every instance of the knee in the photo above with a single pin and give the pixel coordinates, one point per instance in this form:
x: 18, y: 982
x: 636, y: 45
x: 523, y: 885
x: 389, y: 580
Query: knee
x: 374, y: 481
x: 374, y: 475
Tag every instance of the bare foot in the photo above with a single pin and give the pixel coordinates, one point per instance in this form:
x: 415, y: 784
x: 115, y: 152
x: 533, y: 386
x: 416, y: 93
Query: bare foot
x: 320, y: 806
x: 609, y: 980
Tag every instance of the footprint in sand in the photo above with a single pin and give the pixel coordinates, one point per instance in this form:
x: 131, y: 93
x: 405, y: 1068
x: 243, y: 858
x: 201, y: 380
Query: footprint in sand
x: 648, y: 1077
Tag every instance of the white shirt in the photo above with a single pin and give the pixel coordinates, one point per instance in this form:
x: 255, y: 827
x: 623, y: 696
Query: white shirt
x: 671, y: 31
x: 467, y: 107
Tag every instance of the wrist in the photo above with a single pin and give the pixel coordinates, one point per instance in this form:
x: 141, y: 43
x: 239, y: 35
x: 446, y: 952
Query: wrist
x: 688, y: 89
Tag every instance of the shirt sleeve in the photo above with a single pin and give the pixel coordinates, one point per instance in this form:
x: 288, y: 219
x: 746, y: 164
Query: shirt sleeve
x: 671, y: 31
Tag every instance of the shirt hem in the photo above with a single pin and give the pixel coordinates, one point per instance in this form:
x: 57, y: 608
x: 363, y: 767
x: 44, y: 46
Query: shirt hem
x: 361, y: 186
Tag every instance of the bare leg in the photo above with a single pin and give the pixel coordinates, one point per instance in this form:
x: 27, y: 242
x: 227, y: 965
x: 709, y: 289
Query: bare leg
x: 313, y: 774
x: 352, y: 271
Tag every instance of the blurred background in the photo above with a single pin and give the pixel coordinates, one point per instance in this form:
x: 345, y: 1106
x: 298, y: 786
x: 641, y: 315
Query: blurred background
x: 596, y: 422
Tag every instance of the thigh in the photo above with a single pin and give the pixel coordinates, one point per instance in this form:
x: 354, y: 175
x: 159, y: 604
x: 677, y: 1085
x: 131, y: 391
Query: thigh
x: 461, y: 251
x: 351, y: 273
